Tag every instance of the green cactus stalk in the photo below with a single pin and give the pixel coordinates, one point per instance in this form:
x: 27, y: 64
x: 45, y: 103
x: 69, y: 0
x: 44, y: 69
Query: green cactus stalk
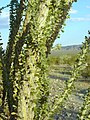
x: 34, y: 26
x: 34, y: 33
x: 79, y: 65
x: 85, y: 110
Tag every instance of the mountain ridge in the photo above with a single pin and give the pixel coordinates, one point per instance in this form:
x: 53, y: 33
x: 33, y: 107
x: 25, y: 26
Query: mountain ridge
x: 71, y: 47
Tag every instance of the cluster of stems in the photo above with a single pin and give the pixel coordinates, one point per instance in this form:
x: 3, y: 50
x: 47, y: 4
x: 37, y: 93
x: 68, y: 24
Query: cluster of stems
x: 34, y: 26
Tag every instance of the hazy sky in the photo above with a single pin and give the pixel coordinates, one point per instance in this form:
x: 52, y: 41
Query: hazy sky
x: 75, y: 30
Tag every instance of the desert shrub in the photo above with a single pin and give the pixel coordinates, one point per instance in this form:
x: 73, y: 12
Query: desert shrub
x: 54, y: 60
x: 65, y: 59
x: 34, y: 26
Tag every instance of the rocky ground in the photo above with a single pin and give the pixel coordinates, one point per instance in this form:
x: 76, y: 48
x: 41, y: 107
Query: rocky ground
x: 58, y: 75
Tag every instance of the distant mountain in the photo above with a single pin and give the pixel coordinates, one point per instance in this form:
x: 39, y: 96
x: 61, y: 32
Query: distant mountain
x: 71, y: 47
x: 65, y: 50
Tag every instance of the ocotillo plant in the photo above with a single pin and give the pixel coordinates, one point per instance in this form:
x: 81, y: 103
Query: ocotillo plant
x: 34, y: 26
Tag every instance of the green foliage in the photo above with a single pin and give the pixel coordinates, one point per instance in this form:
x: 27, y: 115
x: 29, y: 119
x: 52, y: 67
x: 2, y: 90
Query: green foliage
x: 65, y: 59
x: 54, y: 60
x: 34, y: 26
x: 57, y: 47
x: 86, y: 72
x: 85, y: 110
x: 79, y: 65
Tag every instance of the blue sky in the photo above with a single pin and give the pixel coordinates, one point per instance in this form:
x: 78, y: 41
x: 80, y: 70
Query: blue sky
x: 74, y: 31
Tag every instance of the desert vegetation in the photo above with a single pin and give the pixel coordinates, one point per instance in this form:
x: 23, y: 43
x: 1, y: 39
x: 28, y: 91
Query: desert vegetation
x: 30, y: 88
